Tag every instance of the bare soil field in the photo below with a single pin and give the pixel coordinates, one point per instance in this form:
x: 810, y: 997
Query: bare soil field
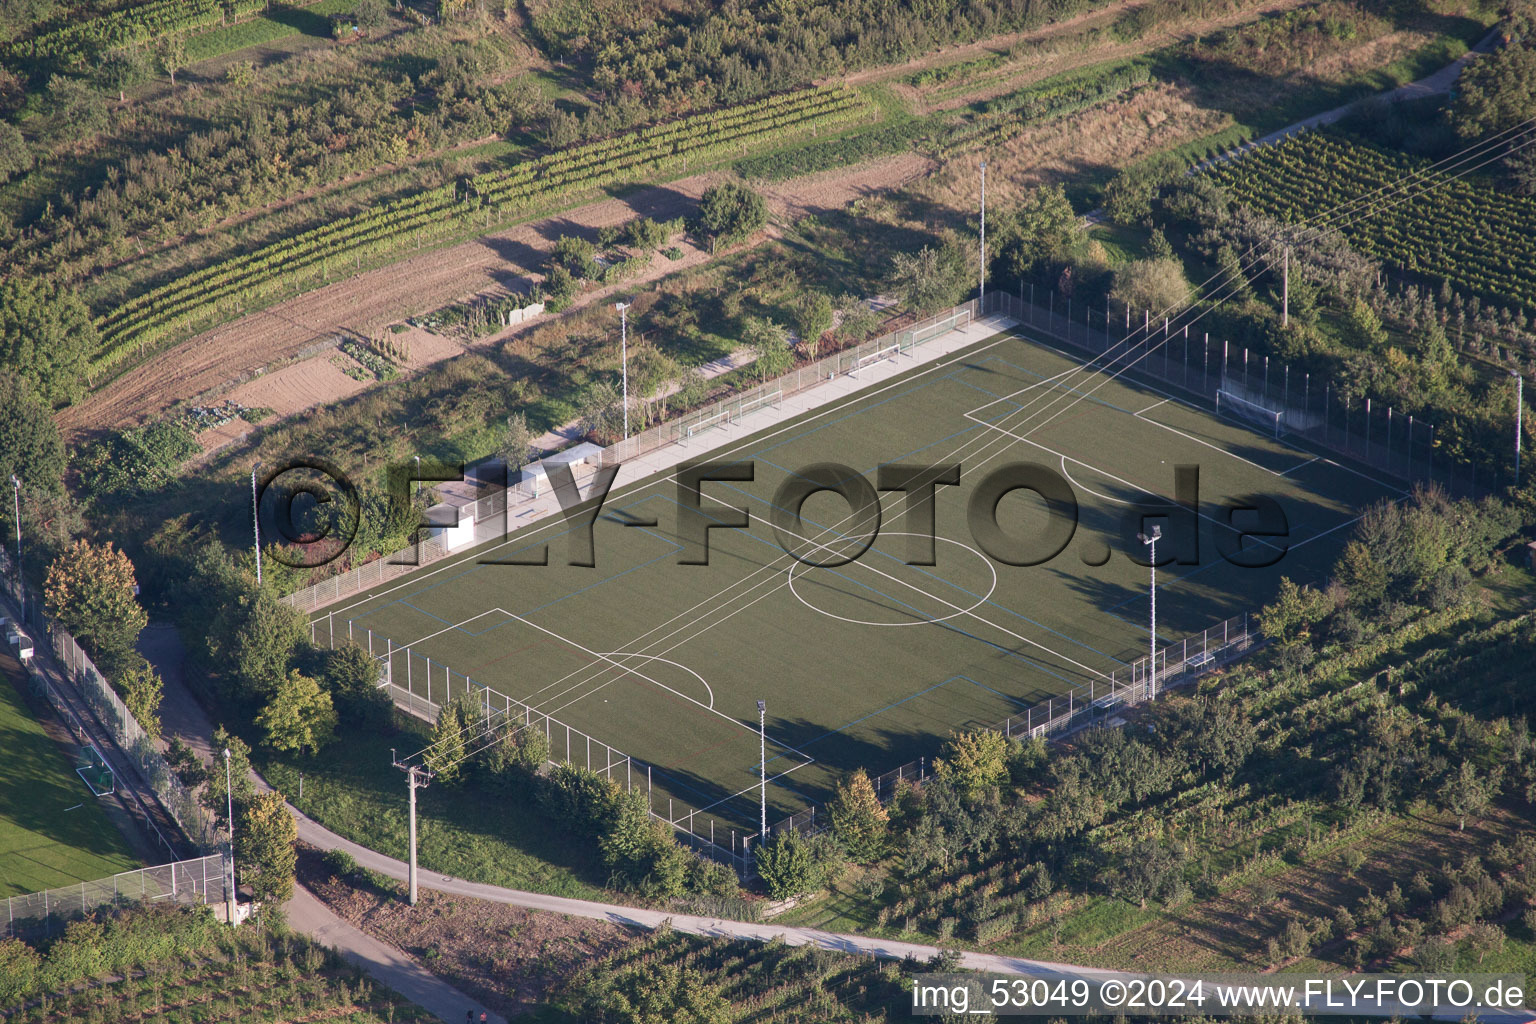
x: 505, y: 957
x: 493, y: 265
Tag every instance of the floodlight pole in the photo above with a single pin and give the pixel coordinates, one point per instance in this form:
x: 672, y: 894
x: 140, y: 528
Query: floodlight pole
x: 20, y: 581
x: 981, y: 291
x: 229, y: 804
x: 623, y: 308
x: 1151, y: 541
x: 256, y: 522
x: 762, y: 772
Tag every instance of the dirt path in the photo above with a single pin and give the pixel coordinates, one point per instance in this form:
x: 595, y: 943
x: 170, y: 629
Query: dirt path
x: 496, y: 263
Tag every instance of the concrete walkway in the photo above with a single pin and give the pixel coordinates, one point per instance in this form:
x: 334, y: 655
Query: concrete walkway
x: 182, y: 717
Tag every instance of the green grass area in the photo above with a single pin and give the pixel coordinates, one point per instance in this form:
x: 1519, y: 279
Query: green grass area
x: 870, y: 663
x: 353, y: 788
x: 282, y: 21
x: 52, y: 830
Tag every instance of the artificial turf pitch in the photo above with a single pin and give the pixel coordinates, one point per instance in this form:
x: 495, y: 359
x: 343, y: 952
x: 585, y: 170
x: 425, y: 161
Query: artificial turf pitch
x: 869, y: 664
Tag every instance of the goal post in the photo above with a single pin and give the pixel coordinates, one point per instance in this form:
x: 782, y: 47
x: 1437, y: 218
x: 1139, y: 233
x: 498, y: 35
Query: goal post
x: 888, y: 352
x: 94, y: 771
x: 1236, y: 406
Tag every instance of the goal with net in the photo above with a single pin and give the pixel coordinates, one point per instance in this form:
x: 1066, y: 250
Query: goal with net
x: 1230, y: 403
x: 888, y: 352
x: 96, y: 773
x: 724, y: 416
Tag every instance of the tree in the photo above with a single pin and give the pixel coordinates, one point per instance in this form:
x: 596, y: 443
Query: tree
x: 370, y: 15
x: 787, y: 865
x: 1435, y: 955
x: 1159, y: 246
x: 172, y: 57
x: 299, y: 716
x: 352, y: 677
x: 264, y: 849
x: 75, y: 110
x: 929, y: 279
x: 855, y: 320
x: 449, y: 742
x: 1495, y: 92
x: 1466, y: 793
x: 1156, y: 284
x: 1151, y: 870
x: 770, y: 342
x: 859, y: 821
x: 1294, y: 612
x: 121, y: 68
x: 1362, y: 330
x: 265, y: 641
x: 1128, y: 197
x: 730, y: 212
x: 973, y: 761
x: 1484, y: 938
x: 517, y: 755
x: 217, y: 796
x: 813, y: 318
x: 15, y: 157
x: 141, y: 689
x: 601, y: 410
x: 241, y: 75
x: 46, y: 336
x: 90, y: 589
x: 516, y: 445
x: 660, y: 993
x: 30, y: 446
x: 645, y: 233
x: 1038, y: 234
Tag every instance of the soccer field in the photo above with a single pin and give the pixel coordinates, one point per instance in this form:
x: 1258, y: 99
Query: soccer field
x: 52, y: 830
x: 871, y: 663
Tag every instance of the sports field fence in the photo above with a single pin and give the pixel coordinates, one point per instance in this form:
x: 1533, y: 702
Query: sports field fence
x: 1263, y: 392
x: 114, y: 719
x: 1178, y: 664
x: 495, y: 500
x: 197, y: 881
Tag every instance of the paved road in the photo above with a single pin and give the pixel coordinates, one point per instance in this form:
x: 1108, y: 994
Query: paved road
x: 181, y: 716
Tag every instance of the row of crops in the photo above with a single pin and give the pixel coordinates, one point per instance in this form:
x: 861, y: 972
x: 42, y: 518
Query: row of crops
x: 132, y: 26
x: 1000, y: 119
x: 1463, y: 230
x: 441, y: 212
x: 761, y: 983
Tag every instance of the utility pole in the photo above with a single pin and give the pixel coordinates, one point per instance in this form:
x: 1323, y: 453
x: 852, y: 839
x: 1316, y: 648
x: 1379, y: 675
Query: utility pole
x: 416, y: 778
x: 229, y: 804
x: 1285, y: 290
x: 256, y: 523
x: 1151, y: 541
x: 981, y: 292
x: 623, y: 308
x: 762, y: 773
x: 1519, y: 417
x: 21, y: 581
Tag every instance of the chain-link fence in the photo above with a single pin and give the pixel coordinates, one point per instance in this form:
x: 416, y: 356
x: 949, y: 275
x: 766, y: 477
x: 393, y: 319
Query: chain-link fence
x: 109, y: 712
x: 1264, y: 392
x: 493, y: 500
x: 686, y: 428
x: 1178, y: 663
x: 41, y: 914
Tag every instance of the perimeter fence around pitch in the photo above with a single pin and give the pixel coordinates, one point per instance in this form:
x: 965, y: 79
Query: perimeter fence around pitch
x: 420, y: 687
x: 1173, y: 351
x: 497, y: 499
x: 112, y: 716
x: 41, y: 914
x: 1178, y: 664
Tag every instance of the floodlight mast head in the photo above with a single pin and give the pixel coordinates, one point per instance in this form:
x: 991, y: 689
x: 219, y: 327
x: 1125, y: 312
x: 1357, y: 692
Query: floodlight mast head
x: 762, y: 706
